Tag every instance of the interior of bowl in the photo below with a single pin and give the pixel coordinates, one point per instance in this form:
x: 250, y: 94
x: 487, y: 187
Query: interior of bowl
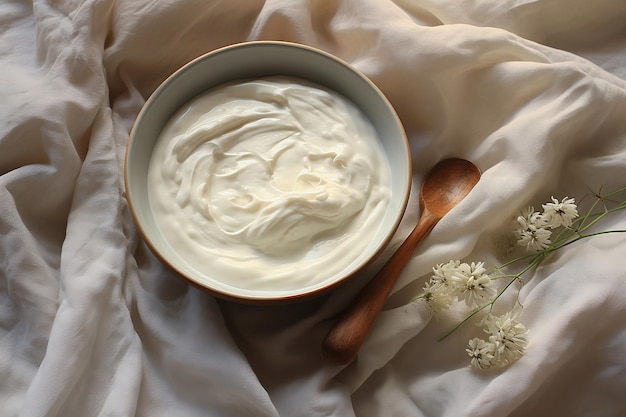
x: 255, y: 60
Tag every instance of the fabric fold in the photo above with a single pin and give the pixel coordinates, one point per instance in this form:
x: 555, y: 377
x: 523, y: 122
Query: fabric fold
x: 92, y: 324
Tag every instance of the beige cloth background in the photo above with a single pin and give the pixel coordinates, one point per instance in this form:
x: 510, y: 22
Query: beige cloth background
x: 92, y: 325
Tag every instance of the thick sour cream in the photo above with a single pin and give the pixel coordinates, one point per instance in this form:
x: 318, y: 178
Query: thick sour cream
x: 271, y: 184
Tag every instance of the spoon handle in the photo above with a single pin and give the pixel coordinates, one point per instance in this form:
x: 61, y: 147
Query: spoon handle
x: 348, y: 334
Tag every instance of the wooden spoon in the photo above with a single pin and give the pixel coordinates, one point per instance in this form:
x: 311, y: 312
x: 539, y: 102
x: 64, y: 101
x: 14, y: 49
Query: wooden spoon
x: 445, y: 185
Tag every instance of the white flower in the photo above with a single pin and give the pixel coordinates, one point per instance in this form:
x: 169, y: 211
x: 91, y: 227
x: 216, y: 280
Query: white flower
x: 560, y: 213
x: 437, y: 291
x: 437, y: 295
x: 481, y: 353
x: 528, y: 216
x: 442, y: 273
x: 534, y: 238
x: 472, y: 284
x: 531, y: 230
x: 509, y: 337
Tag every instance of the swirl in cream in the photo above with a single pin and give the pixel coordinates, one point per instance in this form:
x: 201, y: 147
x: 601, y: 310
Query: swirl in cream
x: 268, y: 182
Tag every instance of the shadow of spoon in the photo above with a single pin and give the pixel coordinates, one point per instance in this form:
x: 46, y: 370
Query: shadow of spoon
x: 445, y: 185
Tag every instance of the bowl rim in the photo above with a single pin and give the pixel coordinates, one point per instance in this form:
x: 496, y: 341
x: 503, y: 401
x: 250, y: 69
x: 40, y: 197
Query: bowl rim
x: 277, y: 298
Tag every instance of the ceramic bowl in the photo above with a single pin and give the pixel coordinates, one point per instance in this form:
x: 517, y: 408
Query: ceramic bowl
x: 255, y: 60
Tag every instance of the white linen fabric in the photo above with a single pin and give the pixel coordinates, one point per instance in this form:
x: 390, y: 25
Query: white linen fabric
x: 91, y: 324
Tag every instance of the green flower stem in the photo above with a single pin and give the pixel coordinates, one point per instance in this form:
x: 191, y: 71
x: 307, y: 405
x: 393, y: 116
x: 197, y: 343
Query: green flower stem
x: 535, y: 262
x: 580, y: 237
x: 577, y: 229
x: 465, y: 320
x: 580, y: 225
x: 564, y: 238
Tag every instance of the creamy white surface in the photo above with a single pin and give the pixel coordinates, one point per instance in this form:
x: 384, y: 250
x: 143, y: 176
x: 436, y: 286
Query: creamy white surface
x: 269, y: 184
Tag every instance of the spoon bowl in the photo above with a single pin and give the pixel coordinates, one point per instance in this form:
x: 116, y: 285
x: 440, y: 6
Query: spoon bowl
x: 445, y: 185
